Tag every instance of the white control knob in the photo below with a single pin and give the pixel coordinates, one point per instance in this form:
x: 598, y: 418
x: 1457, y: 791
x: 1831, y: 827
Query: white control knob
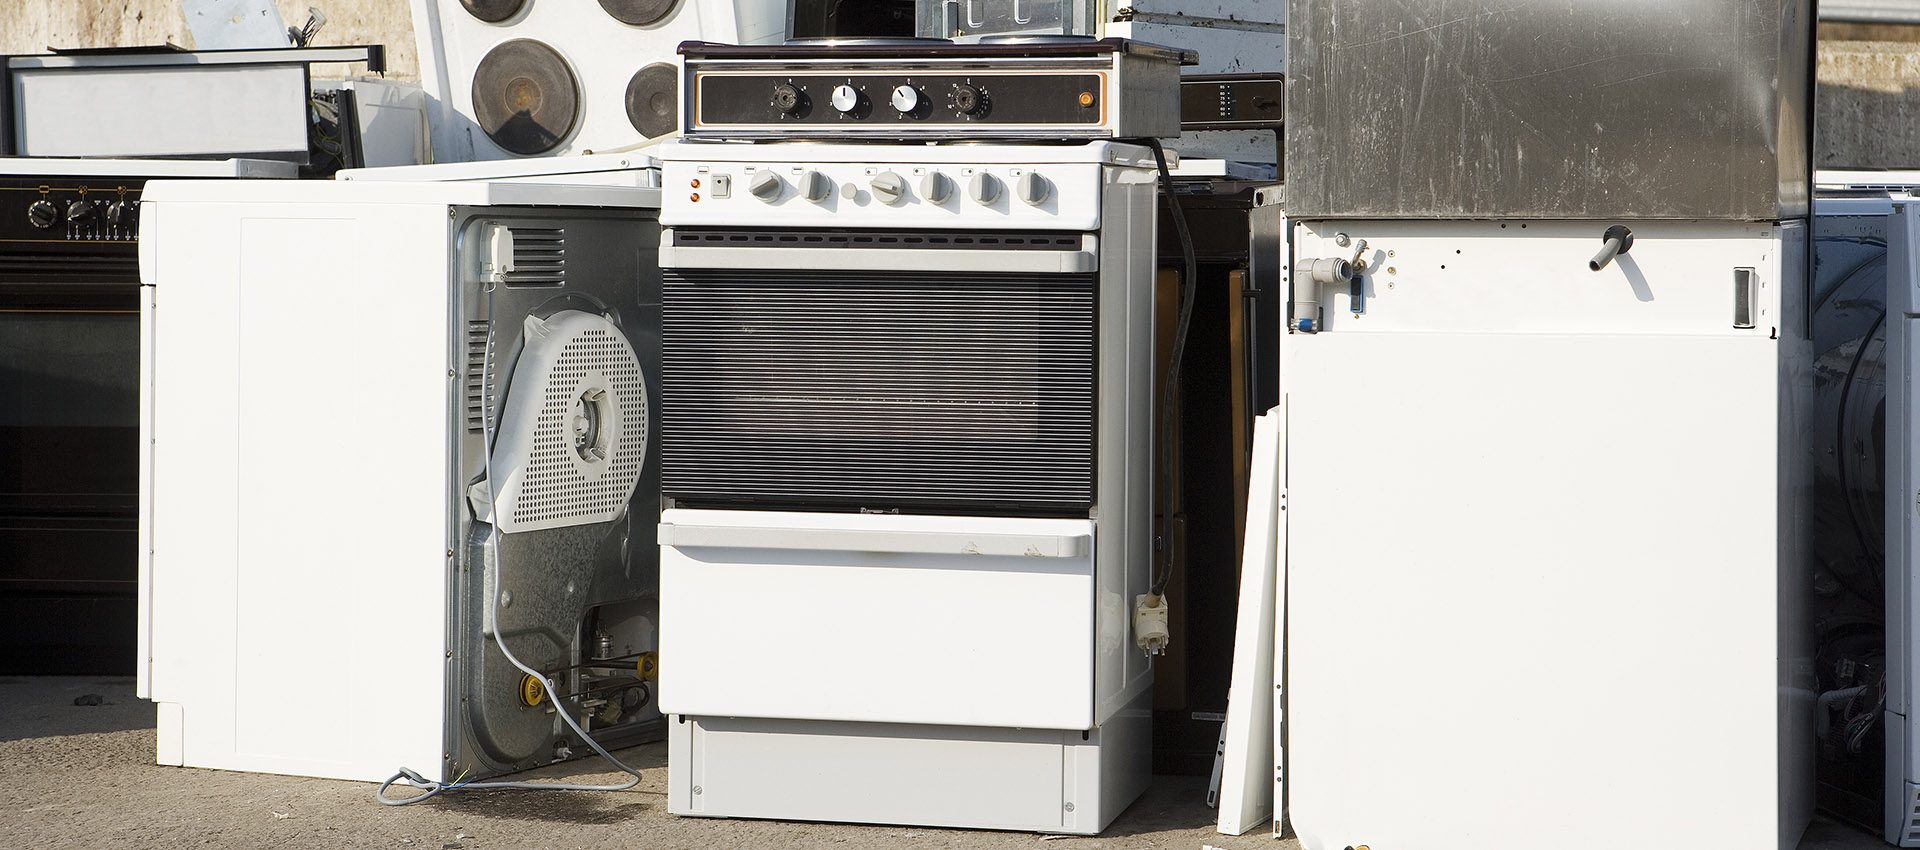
x: 935, y: 187
x: 814, y: 185
x: 845, y: 98
x: 1031, y: 188
x: 905, y: 99
x: 983, y: 188
x: 888, y: 187
x: 764, y: 185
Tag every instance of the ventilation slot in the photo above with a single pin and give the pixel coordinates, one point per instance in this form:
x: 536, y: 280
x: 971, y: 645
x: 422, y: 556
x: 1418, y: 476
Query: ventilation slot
x: 1913, y: 817
x: 539, y: 257
x: 479, y: 396
x: 959, y: 240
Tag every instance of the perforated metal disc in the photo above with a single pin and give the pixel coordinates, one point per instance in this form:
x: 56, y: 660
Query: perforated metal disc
x: 524, y: 97
x: 493, y: 11
x: 639, y: 13
x: 653, y: 99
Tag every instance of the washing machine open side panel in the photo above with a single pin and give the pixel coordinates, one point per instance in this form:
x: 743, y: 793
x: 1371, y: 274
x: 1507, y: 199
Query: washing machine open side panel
x: 296, y: 614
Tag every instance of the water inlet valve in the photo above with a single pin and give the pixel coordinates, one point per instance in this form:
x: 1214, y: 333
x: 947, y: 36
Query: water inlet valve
x: 1150, y: 623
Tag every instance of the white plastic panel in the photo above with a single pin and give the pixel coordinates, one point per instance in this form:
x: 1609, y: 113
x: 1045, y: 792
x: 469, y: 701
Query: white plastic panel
x: 185, y: 111
x: 891, y: 637
x: 278, y: 584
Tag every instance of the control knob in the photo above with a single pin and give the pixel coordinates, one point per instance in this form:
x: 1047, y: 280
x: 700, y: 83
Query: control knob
x: 786, y: 98
x: 43, y: 214
x: 936, y: 187
x: 905, y: 99
x: 119, y: 213
x: 815, y: 186
x: 984, y: 188
x: 888, y: 187
x: 969, y: 100
x: 764, y: 185
x: 1031, y: 188
x: 80, y: 211
x: 846, y: 99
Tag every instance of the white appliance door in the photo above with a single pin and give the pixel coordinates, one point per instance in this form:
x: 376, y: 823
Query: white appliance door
x: 966, y: 621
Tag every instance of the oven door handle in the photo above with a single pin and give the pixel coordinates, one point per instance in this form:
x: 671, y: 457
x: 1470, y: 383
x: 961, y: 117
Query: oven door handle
x: 876, y: 540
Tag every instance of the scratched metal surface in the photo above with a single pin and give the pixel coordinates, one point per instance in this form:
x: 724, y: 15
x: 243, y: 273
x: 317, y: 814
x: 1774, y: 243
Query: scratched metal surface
x: 1567, y: 109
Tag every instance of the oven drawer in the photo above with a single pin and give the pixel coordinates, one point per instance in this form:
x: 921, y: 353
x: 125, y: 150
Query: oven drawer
x: 962, y: 621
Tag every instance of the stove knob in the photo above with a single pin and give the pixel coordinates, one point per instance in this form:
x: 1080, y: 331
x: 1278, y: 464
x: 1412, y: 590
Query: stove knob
x: 935, y: 187
x: 764, y: 185
x: 984, y: 188
x: 80, y: 212
x: 889, y: 187
x: 969, y: 100
x: 815, y: 185
x: 786, y: 98
x: 905, y: 99
x: 845, y: 98
x: 43, y: 214
x: 1031, y: 188
x: 119, y: 213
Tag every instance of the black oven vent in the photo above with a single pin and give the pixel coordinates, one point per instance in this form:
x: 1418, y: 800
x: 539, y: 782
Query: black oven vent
x: 881, y: 389
x: 954, y: 240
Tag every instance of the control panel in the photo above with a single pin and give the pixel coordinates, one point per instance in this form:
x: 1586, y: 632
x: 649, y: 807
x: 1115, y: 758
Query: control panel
x: 1055, y: 196
x: 91, y: 212
x: 1084, y: 89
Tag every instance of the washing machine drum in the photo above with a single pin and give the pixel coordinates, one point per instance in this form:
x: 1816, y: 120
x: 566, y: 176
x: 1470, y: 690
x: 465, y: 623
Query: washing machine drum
x: 572, y: 439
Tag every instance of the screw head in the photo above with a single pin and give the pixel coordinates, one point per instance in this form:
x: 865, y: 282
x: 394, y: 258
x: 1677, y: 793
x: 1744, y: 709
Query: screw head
x: 1069, y: 807
x: 1342, y: 239
x: 696, y: 790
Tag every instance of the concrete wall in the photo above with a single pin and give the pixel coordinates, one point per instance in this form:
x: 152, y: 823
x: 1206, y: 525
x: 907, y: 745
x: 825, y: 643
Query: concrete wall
x: 1867, y: 110
x: 32, y: 26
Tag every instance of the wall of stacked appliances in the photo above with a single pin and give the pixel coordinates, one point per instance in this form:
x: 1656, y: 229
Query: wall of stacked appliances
x: 1490, y: 423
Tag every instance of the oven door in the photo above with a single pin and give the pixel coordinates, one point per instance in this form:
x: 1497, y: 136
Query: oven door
x: 832, y: 375
x: 69, y: 437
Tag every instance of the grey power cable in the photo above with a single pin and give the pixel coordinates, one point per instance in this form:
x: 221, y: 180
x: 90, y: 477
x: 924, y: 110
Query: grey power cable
x: 432, y: 788
x: 1170, y: 385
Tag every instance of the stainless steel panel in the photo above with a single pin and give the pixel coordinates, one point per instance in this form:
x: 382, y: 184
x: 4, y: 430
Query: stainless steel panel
x: 1676, y: 109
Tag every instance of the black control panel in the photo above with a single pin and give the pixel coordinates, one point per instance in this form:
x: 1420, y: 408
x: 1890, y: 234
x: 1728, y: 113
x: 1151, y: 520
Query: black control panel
x: 905, y: 98
x: 1233, y: 102
x: 60, y: 211
x: 69, y: 242
x: 1046, y: 88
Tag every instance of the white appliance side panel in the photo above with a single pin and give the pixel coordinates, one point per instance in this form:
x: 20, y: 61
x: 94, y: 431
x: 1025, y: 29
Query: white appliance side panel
x: 1510, y: 559
x: 300, y: 437
x: 143, y: 625
x: 1247, y: 780
x: 1902, y: 754
x: 850, y: 633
